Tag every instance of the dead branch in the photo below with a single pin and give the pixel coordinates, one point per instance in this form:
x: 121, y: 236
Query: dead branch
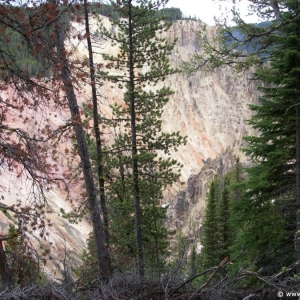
x: 222, y: 263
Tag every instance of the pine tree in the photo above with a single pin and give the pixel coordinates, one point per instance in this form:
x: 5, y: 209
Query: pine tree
x: 224, y: 226
x: 274, y: 178
x: 263, y: 212
x: 87, y: 272
x: 64, y: 67
x: 142, y: 60
x: 211, y: 234
x: 97, y: 133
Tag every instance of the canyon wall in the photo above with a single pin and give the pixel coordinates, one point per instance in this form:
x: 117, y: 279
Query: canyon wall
x: 212, y: 110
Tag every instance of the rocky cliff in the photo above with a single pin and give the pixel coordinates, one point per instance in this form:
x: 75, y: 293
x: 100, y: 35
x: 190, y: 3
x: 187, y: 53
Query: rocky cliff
x: 210, y: 109
x: 186, y: 210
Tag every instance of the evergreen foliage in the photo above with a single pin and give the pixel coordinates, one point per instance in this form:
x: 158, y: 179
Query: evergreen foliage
x: 180, y: 250
x: 13, y: 52
x: 170, y: 14
x: 269, y: 200
x: 137, y: 174
x: 267, y: 204
x: 211, y: 232
x: 219, y: 231
x: 224, y: 227
x: 256, y: 218
x: 193, y: 261
x: 87, y: 272
x: 108, y: 10
x: 18, y: 52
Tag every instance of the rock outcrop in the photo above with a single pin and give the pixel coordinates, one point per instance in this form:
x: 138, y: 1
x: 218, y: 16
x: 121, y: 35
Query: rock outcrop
x: 186, y: 210
x: 212, y: 110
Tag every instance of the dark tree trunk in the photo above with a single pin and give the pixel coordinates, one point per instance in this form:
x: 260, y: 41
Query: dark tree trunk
x: 101, y: 250
x: 99, y: 159
x: 276, y: 10
x: 135, y: 172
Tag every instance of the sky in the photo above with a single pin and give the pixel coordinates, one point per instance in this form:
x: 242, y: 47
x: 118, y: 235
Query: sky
x: 205, y: 10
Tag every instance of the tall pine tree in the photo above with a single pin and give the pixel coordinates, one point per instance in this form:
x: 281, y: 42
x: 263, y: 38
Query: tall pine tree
x: 211, y: 233
x: 263, y: 213
x: 226, y: 232
x: 140, y: 174
x: 218, y: 232
x: 271, y: 190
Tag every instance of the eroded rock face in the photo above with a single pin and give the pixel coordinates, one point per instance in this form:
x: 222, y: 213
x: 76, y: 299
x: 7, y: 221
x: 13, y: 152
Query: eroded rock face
x: 186, y: 209
x: 211, y: 109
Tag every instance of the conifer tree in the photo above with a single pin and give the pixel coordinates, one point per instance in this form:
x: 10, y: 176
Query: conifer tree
x: 274, y: 177
x: 97, y: 132
x: 224, y: 220
x: 262, y: 212
x: 142, y: 60
x: 211, y: 233
x: 64, y: 67
x: 193, y: 261
x: 219, y: 233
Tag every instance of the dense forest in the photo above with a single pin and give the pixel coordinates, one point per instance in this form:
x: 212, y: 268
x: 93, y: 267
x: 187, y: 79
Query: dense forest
x: 250, y: 243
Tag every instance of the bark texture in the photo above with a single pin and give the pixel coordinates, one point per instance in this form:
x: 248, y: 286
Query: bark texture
x: 99, y: 238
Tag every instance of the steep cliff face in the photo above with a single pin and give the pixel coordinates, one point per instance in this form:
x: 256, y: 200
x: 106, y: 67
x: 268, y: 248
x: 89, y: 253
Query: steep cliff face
x: 186, y: 210
x: 210, y: 109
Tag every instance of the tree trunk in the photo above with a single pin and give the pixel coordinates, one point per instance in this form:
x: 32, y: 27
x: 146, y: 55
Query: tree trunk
x: 99, y: 160
x: 101, y: 250
x: 135, y: 172
x: 276, y: 10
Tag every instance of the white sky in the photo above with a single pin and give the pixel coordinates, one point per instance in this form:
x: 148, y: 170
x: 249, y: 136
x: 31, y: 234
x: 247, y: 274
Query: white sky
x: 207, y: 9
